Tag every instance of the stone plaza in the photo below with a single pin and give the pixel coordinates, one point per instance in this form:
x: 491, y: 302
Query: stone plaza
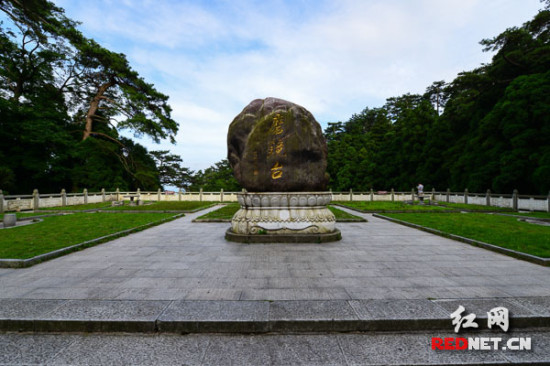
x: 375, y: 297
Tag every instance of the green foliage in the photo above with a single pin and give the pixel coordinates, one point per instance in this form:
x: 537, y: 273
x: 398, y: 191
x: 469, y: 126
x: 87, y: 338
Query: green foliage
x: 170, y: 170
x: 217, y: 177
x: 57, y: 86
x: 493, y: 131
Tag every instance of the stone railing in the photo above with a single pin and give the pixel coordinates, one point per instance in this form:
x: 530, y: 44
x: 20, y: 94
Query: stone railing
x: 514, y: 201
x: 39, y: 200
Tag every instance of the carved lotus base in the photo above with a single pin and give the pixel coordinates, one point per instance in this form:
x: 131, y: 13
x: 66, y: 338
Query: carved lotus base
x: 284, y: 214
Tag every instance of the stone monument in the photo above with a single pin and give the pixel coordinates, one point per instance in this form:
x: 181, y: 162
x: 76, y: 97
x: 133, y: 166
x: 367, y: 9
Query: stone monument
x: 279, y: 155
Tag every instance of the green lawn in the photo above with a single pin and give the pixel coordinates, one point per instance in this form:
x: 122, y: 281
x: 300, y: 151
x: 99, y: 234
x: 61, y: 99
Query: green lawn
x: 21, y: 215
x: 223, y: 213
x: 343, y: 215
x: 480, y: 208
x: 87, y: 206
x: 541, y: 215
x: 164, y: 206
x: 504, y: 231
x: 383, y: 206
x: 57, y: 232
x: 226, y: 213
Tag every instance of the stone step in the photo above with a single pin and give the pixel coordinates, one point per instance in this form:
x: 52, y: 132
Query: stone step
x: 312, y: 316
x: 410, y: 348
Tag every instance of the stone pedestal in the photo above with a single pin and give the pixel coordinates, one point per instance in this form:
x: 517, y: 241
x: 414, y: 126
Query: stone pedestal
x: 286, y: 217
x: 9, y: 220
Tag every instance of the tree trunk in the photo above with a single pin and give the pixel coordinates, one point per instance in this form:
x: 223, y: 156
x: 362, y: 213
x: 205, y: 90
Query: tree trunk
x: 94, y: 106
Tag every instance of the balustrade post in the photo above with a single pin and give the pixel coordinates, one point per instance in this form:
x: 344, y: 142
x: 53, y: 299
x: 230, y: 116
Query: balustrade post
x: 35, y: 199
x: 63, y: 197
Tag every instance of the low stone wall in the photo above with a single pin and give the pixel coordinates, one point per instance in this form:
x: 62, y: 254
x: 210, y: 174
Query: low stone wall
x: 38, y: 200
x: 513, y: 201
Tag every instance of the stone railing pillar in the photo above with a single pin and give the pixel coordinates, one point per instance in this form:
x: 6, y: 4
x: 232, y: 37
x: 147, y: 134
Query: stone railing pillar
x: 515, y: 200
x: 221, y: 195
x: 117, y: 192
x: 548, y: 201
x: 179, y: 194
x: 63, y: 197
x: 138, y: 193
x: 200, y: 195
x: 158, y: 194
x: 35, y: 199
x: 351, y: 194
x: 433, y: 194
x: 2, y: 201
x: 85, y: 195
x: 448, y: 195
x: 466, y: 195
x: 371, y: 195
x: 102, y: 194
x: 392, y: 195
x: 488, y: 198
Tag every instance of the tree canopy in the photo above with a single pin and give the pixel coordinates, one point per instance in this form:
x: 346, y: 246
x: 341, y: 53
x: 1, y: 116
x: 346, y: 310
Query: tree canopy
x: 487, y: 129
x: 63, y: 101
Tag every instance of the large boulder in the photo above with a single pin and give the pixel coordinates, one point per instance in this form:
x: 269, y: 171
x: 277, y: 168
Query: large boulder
x: 277, y: 146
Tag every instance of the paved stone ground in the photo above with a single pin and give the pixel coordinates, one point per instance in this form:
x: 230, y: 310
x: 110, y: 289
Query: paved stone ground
x: 182, y: 260
x: 215, y: 349
x: 181, y: 273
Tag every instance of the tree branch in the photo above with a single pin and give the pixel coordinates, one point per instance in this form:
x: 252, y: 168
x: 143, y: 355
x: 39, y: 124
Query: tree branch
x: 512, y: 62
x: 107, y: 136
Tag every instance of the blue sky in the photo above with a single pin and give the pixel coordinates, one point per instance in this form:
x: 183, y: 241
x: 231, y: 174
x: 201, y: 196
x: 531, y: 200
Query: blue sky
x: 333, y: 57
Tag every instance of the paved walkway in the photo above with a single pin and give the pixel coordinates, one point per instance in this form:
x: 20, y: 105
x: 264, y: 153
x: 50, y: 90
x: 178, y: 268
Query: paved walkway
x: 215, y: 349
x: 182, y: 260
x: 395, y: 284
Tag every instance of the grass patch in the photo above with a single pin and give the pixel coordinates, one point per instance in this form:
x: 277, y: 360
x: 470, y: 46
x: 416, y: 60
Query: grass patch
x: 164, y: 206
x: 539, y: 215
x: 343, y: 215
x: 57, y: 232
x: 226, y: 213
x: 384, y: 206
x: 21, y: 215
x: 86, y: 206
x: 479, y: 208
x: 504, y: 231
x: 223, y: 213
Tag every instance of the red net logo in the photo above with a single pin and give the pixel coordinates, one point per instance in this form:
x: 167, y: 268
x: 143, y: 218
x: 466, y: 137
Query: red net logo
x: 498, y: 316
x: 481, y: 343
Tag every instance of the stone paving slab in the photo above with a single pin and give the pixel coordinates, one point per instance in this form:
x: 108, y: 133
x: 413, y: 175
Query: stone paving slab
x: 182, y: 277
x: 296, y: 349
x: 185, y: 261
x: 215, y: 316
x: 281, y: 316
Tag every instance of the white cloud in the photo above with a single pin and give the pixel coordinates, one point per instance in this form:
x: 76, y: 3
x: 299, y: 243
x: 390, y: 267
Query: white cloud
x: 334, y: 58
